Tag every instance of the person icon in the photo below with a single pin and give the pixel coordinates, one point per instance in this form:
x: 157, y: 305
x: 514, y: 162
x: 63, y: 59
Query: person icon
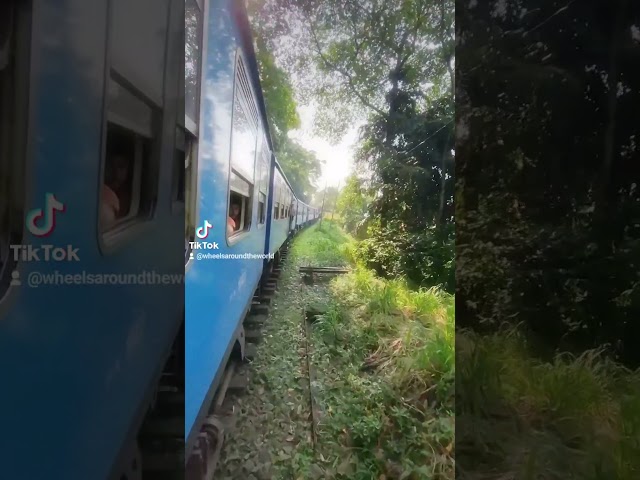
x: 15, y: 279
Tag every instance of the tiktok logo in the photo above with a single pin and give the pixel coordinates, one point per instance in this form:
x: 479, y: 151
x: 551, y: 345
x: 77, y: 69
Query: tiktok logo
x: 203, y: 232
x: 48, y: 214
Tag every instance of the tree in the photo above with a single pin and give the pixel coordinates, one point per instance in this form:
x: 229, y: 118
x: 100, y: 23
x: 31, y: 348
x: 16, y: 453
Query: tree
x: 390, y: 62
x: 301, y: 166
x: 353, y: 204
x: 548, y: 153
x: 278, y: 95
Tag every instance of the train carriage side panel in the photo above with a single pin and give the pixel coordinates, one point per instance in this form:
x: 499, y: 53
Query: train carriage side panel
x: 297, y: 214
x: 279, y: 227
x: 92, y: 352
x: 233, y: 168
x: 270, y: 207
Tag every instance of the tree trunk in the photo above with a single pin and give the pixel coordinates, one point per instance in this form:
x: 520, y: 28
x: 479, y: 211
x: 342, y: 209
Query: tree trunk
x: 603, y: 207
x: 440, y: 219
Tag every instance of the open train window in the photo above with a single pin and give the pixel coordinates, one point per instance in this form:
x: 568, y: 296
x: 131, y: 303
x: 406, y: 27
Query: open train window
x: 14, y: 89
x: 128, y: 190
x: 276, y: 209
x: 262, y: 208
x: 240, y: 201
x: 129, y: 186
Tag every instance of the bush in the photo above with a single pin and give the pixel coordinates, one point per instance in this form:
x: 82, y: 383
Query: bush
x: 423, y: 258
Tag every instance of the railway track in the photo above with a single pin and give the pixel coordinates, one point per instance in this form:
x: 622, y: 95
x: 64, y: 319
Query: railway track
x: 161, y: 440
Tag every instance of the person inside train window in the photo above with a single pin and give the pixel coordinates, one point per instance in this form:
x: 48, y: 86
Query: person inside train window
x: 109, y: 208
x: 235, y: 216
x: 119, y: 182
x: 231, y: 226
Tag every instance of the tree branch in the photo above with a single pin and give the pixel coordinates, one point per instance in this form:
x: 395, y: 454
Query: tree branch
x: 342, y: 72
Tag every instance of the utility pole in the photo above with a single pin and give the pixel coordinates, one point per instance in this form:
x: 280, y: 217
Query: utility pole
x: 335, y: 202
x: 322, y: 209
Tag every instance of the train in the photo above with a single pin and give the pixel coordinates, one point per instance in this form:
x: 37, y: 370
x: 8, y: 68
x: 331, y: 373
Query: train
x: 240, y: 192
x: 113, y: 162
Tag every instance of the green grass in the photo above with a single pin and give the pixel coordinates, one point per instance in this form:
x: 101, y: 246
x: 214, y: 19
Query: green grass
x: 385, y: 360
x: 323, y: 245
x: 519, y: 417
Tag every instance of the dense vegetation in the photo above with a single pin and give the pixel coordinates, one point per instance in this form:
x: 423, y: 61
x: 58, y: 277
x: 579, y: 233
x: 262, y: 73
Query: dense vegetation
x: 548, y: 244
x: 390, y: 64
x: 548, y: 204
x: 384, y: 357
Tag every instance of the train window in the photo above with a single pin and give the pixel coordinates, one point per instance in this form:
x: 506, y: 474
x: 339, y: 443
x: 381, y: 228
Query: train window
x: 128, y: 191
x: 262, y: 208
x: 14, y: 60
x: 124, y: 195
x: 276, y: 209
x: 240, y: 202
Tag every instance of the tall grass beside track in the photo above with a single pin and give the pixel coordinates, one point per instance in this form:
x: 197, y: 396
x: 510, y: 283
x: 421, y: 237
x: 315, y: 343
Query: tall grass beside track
x: 523, y: 418
x: 385, y: 357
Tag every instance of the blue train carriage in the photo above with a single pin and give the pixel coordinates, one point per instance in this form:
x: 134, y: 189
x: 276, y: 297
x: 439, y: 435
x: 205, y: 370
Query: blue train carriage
x: 281, y: 222
x: 229, y: 185
x: 91, y: 161
x: 300, y: 216
x: 296, y: 213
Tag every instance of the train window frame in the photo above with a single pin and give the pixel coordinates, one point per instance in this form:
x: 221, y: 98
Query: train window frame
x: 244, y: 99
x: 262, y: 210
x: 146, y: 133
x: 15, y: 71
x: 242, y: 188
x: 143, y: 116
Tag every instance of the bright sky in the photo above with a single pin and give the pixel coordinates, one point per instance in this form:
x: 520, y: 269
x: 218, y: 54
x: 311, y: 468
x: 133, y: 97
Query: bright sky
x: 337, y: 158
